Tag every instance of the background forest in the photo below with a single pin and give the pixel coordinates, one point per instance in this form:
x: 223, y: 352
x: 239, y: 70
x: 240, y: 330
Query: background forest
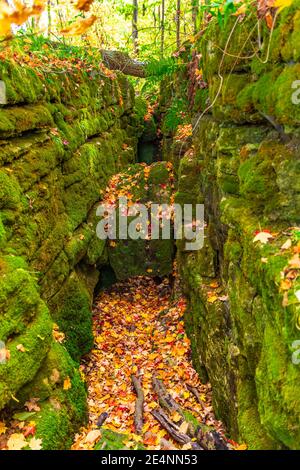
x: 144, y: 27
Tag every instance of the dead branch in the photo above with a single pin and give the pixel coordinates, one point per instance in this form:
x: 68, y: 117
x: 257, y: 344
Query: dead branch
x: 170, y: 427
x: 101, y: 420
x: 165, y: 399
x: 174, y: 430
x: 139, y: 405
x: 196, y: 394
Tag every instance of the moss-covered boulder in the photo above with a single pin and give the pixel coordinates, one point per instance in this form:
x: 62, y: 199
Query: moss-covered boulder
x: 143, y: 185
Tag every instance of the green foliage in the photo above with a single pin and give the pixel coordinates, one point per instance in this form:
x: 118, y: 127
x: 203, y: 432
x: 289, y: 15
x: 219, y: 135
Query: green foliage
x: 157, y: 70
x: 163, y: 67
x: 221, y: 9
x: 175, y: 115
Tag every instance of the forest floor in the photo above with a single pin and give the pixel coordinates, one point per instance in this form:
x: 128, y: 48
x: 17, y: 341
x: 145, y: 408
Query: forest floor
x: 139, y: 332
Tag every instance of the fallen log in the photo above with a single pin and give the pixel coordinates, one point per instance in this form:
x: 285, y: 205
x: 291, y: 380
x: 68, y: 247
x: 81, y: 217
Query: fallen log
x: 139, y: 405
x: 116, y: 60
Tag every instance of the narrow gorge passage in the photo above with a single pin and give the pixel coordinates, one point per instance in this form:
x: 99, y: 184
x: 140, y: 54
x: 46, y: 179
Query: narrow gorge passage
x: 150, y: 226
x: 139, y: 332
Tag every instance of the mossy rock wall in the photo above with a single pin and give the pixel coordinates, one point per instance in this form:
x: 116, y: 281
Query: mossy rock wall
x: 62, y: 136
x: 244, y: 166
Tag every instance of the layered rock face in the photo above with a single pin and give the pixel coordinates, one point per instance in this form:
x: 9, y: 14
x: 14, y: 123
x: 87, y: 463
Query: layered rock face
x: 244, y: 165
x: 62, y: 136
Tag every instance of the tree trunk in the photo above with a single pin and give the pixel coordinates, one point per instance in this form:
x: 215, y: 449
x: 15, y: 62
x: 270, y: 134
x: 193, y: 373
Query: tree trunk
x: 135, y: 33
x: 195, y: 13
x: 178, y: 14
x: 155, y: 24
x: 162, y: 27
x: 49, y: 18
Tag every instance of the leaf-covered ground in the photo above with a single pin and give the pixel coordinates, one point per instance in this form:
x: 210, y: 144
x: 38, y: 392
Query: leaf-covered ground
x: 139, y: 331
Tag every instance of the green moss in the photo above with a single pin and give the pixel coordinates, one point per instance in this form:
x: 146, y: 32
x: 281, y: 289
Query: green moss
x: 245, y: 103
x: 111, y: 440
x: 71, y: 309
x: 10, y: 195
x: 2, y: 234
x: 17, y: 120
x: 130, y: 258
x: 140, y: 108
x: 213, y: 56
x: 289, y: 23
x: 58, y: 421
x: 278, y: 388
x: 255, y: 179
x: 22, y: 83
x: 24, y: 320
x: 19, y: 298
x: 249, y: 421
x: 201, y: 100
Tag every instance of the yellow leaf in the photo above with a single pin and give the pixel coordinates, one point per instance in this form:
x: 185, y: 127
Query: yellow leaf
x: 137, y: 438
x: 262, y: 237
x: 152, y: 405
x: 170, y: 339
x: 35, y: 444
x: 287, y: 245
x: 79, y: 27
x: 295, y: 262
x: 285, y: 284
x: 241, y: 447
x: 106, y: 397
x: 241, y: 10
x: 212, y: 299
x: 176, y: 417
x: 93, y: 436
x: 18, y: 14
x: 184, y: 427
x: 67, y: 383
x: 281, y: 4
x: 3, y: 428
x: 83, y: 5
x: 16, y: 442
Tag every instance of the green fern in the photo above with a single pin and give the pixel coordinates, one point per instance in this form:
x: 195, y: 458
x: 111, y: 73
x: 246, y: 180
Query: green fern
x: 162, y: 68
x: 175, y: 115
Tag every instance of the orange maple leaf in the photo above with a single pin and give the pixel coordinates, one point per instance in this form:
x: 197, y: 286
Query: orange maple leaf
x: 79, y: 27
